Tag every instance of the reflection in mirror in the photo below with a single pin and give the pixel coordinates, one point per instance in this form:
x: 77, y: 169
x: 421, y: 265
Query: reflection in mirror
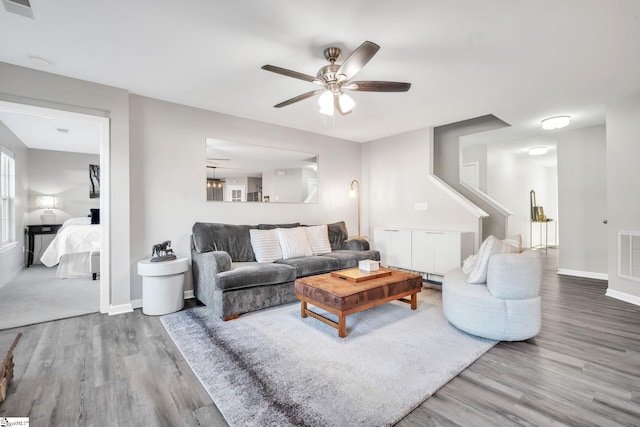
x: 240, y: 172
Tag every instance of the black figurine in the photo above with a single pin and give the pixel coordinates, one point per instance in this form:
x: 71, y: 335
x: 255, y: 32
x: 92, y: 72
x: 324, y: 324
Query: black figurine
x: 162, y: 252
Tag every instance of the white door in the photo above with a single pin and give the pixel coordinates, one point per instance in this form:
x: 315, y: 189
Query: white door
x: 236, y: 193
x: 470, y: 174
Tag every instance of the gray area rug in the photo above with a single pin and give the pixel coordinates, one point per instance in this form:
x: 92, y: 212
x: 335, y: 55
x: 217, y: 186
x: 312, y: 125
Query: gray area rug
x: 273, y: 368
x: 35, y: 295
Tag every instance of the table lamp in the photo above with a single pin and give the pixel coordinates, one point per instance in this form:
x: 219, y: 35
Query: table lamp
x: 47, y: 203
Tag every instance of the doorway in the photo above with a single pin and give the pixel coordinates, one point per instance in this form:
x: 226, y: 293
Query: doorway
x: 98, y: 123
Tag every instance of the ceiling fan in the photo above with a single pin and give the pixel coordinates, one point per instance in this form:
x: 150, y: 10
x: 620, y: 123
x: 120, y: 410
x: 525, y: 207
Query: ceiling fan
x: 336, y: 77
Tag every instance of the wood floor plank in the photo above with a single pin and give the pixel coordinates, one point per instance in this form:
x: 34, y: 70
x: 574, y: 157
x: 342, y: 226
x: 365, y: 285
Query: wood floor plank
x: 582, y: 369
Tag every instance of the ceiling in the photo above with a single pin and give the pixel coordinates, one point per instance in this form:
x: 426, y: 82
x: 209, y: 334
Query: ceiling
x: 519, y: 60
x: 47, y: 129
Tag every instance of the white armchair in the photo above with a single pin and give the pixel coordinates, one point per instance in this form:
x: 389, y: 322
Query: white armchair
x: 506, y: 308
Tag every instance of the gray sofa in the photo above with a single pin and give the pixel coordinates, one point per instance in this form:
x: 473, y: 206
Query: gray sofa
x: 227, y: 277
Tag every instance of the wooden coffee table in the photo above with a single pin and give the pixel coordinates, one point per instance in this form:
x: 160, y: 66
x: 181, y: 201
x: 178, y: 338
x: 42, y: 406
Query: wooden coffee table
x: 350, y: 291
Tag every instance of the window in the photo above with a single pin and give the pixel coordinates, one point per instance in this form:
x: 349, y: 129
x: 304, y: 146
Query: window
x: 7, y: 195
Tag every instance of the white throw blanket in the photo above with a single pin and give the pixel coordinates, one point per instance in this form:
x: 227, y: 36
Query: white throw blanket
x: 72, y: 239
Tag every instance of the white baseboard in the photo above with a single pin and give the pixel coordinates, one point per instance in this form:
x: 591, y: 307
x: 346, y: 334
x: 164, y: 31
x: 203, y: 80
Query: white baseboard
x: 585, y: 274
x: 137, y: 303
x: 120, y: 309
x: 622, y: 296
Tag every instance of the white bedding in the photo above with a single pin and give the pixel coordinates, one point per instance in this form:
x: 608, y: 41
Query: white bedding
x: 75, y: 236
x: 73, y: 266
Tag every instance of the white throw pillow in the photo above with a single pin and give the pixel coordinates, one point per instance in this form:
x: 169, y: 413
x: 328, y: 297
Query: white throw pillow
x: 515, y: 241
x: 490, y: 246
x: 266, y: 245
x: 467, y: 264
x: 294, y: 242
x: 318, y: 236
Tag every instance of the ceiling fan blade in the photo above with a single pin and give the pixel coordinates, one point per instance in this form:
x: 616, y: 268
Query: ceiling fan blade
x: 298, y: 98
x: 376, y: 86
x: 289, y: 73
x: 358, y: 59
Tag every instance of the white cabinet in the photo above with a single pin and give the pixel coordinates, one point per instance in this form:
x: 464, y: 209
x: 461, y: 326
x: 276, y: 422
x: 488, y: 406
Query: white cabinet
x: 439, y: 251
x: 426, y: 251
x: 394, y: 246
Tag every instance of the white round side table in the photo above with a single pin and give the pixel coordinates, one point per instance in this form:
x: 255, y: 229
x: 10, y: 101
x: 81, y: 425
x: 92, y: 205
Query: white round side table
x: 162, y: 285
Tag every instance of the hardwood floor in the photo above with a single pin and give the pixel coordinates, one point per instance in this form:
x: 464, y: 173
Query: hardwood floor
x: 98, y: 370
x: 582, y: 369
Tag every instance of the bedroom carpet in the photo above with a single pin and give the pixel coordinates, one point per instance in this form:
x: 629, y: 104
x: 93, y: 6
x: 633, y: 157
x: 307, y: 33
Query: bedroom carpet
x: 273, y: 368
x: 35, y: 295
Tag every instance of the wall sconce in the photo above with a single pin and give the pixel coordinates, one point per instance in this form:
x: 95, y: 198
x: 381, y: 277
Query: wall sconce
x: 47, y: 203
x: 354, y: 192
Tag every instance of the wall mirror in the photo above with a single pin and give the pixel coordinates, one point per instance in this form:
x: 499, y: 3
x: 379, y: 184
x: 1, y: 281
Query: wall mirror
x: 241, y: 172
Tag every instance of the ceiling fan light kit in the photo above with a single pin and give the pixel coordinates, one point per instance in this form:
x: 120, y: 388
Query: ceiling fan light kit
x: 335, y: 77
x: 346, y: 103
x: 325, y: 101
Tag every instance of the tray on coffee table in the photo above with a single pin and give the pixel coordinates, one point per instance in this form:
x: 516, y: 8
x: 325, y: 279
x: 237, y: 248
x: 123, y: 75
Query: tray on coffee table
x: 356, y: 275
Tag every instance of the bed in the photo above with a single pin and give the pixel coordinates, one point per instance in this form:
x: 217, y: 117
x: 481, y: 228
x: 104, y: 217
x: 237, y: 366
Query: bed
x: 74, y: 249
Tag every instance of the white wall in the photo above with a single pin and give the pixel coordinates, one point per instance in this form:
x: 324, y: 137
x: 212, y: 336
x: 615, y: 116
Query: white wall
x: 510, y: 178
x: 168, y: 176
x: 396, y: 176
x: 12, y: 257
x: 476, y: 153
x: 623, y: 187
x: 65, y: 175
x: 27, y: 86
x: 446, y: 166
x: 582, y: 195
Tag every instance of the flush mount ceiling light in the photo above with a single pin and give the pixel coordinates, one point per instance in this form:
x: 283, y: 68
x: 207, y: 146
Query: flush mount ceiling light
x: 557, y: 122
x: 538, y: 151
x: 39, y: 61
x: 335, y: 78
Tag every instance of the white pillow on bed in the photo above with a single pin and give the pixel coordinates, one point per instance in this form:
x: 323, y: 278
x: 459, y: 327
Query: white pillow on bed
x: 83, y: 220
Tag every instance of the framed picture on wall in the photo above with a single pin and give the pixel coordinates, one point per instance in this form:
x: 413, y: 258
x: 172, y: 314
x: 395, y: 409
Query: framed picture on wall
x: 94, y: 181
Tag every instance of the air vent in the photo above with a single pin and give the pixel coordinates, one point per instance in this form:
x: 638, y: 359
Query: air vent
x: 19, y: 7
x: 629, y: 255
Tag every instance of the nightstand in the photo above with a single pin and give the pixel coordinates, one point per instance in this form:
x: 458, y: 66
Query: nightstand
x: 31, y: 231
